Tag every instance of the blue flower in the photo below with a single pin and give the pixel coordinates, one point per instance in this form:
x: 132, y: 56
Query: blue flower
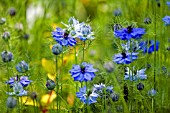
x: 166, y: 20
x: 129, y: 32
x: 168, y: 3
x: 84, y: 32
x: 18, y: 90
x: 139, y: 74
x: 6, y: 56
x: 87, y: 97
x: 125, y: 57
x: 23, y: 80
x: 83, y: 72
x: 151, y: 43
x: 63, y: 38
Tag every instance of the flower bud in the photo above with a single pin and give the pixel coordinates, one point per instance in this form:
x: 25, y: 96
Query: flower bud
x: 12, y: 11
x: 117, y: 12
x: 152, y: 92
x: 19, y: 26
x: 140, y: 86
x: 2, y: 21
x: 6, y: 56
x: 50, y: 84
x: 114, y: 97
x: 6, y: 36
x: 22, y: 67
x: 108, y: 66
x: 57, y: 49
x: 11, y: 102
x: 117, y: 27
x: 26, y: 36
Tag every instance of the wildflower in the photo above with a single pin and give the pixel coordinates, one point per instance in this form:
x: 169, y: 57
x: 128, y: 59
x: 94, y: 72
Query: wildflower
x: 98, y: 88
x: 166, y: 20
x: 149, y: 46
x: 114, y: 97
x: 11, y: 102
x: 23, y: 80
x: 6, y: 56
x: 84, y: 32
x: 117, y: 12
x: 6, y: 36
x: 147, y: 20
x: 63, y: 37
x: 140, y: 86
x: 168, y: 3
x: 50, y: 84
x: 22, y: 67
x: 57, y: 49
x: 152, y: 92
x: 129, y: 32
x: 83, y: 72
x: 131, y: 46
x: 125, y: 57
x: 12, y: 11
x: 109, y: 66
x: 87, y: 97
x: 138, y: 74
x: 2, y: 21
x: 18, y: 90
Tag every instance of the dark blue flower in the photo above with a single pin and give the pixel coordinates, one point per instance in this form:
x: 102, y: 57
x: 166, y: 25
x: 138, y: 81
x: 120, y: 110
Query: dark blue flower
x: 23, y: 80
x: 166, y: 20
x: 87, y: 97
x: 6, y: 56
x: 83, y: 72
x: 125, y: 57
x: 149, y: 46
x: 129, y: 32
x: 63, y: 37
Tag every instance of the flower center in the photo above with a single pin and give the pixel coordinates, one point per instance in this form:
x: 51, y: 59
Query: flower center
x: 65, y: 35
x: 82, y: 69
x: 129, y: 29
x: 124, y: 55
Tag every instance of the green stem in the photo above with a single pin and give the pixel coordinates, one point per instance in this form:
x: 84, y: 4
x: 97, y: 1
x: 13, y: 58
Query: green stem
x: 57, y: 85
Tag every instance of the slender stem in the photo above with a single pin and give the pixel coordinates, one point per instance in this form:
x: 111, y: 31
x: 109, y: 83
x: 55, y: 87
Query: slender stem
x: 83, y: 50
x: 57, y: 85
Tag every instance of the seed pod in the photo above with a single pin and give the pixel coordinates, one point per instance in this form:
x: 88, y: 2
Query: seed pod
x: 12, y: 11
x: 57, y: 49
x: 33, y: 95
x: 152, y: 92
x: 50, y: 84
x: 11, y: 102
x: 22, y: 67
x: 117, y: 12
x: 6, y: 56
x: 6, y: 36
x: 140, y: 86
x: 125, y: 92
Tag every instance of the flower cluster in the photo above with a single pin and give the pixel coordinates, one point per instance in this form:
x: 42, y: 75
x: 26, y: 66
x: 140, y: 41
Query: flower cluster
x: 74, y: 29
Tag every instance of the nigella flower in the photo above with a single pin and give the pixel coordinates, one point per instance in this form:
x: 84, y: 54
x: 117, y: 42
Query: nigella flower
x: 129, y: 32
x: 152, y: 92
x: 83, y: 72
x: 168, y: 3
x: 22, y: 67
x: 98, y: 88
x: 23, y: 80
x: 166, y: 20
x: 137, y: 74
x: 84, y: 32
x: 131, y: 45
x: 87, y: 97
x: 18, y: 90
x: 125, y: 57
x: 63, y: 37
x: 149, y: 46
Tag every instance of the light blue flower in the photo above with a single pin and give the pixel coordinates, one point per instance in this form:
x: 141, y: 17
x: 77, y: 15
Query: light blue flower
x: 87, y: 97
x: 166, y: 20
x: 83, y: 72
